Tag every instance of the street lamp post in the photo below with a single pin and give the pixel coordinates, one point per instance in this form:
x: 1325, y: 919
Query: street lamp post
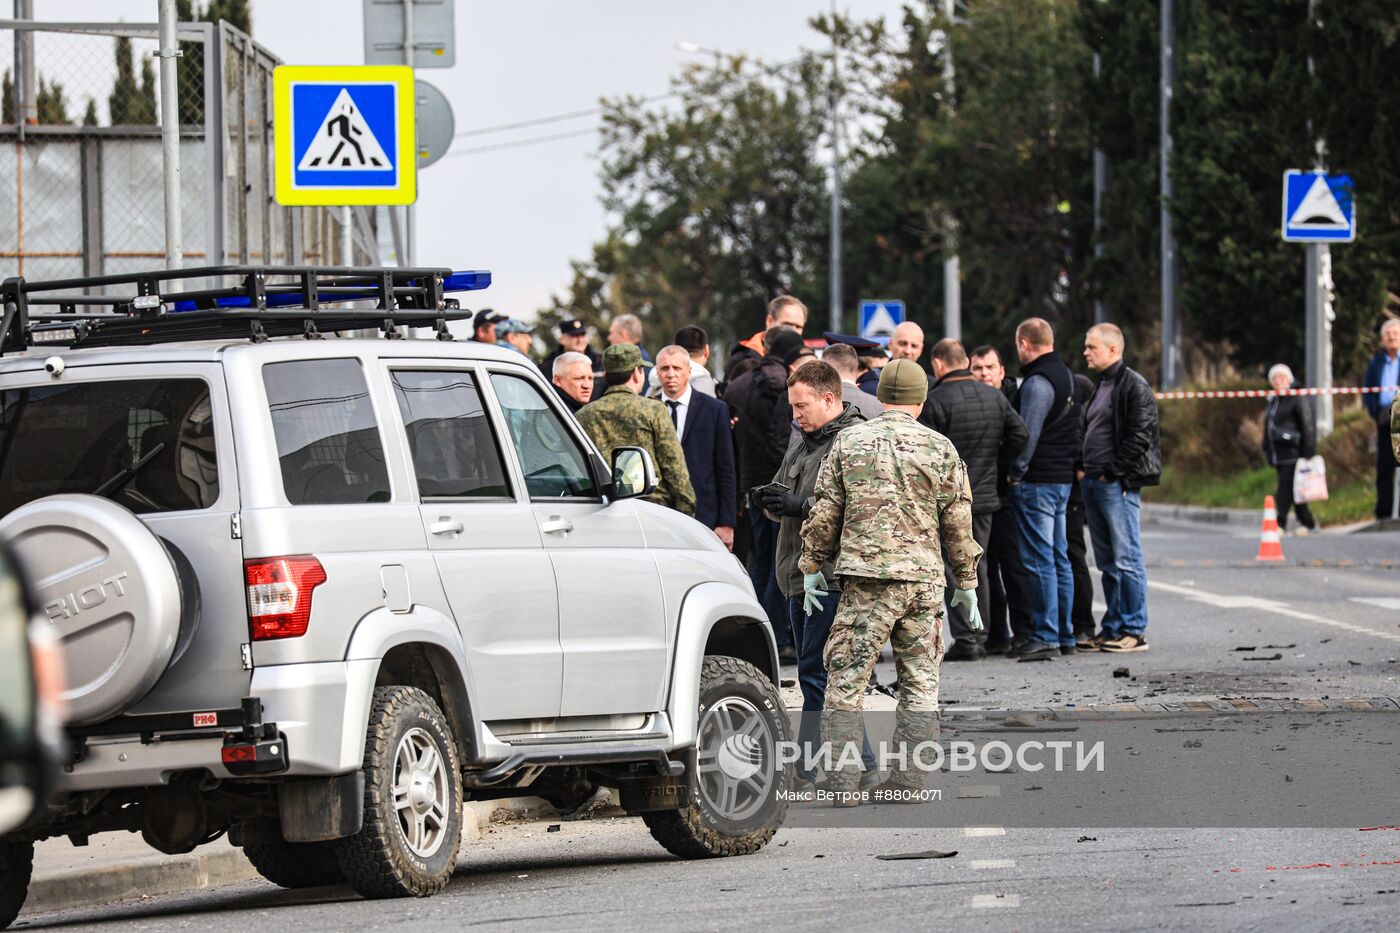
x: 834, y: 312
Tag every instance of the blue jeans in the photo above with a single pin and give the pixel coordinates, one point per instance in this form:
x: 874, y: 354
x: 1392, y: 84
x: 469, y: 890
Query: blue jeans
x: 763, y: 535
x: 1040, y: 529
x: 810, y: 633
x: 1114, y: 529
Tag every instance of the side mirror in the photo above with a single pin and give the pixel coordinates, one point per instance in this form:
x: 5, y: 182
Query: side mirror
x: 633, y: 473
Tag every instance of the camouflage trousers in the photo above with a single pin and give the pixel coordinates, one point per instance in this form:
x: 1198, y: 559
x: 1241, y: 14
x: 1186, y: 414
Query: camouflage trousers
x: 909, y: 615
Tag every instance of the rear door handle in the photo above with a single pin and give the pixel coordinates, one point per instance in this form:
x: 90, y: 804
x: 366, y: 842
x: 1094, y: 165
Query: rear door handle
x: 555, y: 525
x: 445, y: 526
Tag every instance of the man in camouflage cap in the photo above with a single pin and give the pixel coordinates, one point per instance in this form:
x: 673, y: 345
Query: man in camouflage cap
x: 622, y: 418
x: 885, y: 493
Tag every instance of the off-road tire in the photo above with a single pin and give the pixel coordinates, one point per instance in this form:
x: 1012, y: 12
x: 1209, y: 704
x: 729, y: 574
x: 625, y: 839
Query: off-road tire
x: 696, y: 831
x: 16, y: 865
x: 377, y: 861
x: 296, y: 864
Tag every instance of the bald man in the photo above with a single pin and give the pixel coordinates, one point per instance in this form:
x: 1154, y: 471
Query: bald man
x: 1122, y: 454
x: 907, y: 342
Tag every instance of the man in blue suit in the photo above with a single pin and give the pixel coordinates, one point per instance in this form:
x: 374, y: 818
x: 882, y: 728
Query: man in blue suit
x: 703, y: 425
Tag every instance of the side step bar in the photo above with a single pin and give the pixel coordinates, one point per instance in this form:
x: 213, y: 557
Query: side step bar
x: 580, y: 755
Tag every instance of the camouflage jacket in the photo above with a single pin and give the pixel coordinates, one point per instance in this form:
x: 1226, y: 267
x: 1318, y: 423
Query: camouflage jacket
x: 885, y: 494
x: 1395, y: 427
x: 621, y: 418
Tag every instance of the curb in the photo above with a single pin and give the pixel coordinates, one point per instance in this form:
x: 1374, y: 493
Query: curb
x: 157, y: 875
x: 1200, y: 514
x: 152, y: 876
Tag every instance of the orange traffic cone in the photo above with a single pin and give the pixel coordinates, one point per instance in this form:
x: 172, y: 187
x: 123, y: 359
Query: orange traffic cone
x: 1270, y: 547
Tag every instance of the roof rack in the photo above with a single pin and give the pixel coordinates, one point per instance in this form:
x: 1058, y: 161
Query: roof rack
x: 142, y: 308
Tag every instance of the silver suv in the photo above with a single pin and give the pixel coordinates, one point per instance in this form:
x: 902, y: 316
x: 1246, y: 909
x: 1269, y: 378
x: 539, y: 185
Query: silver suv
x: 315, y: 593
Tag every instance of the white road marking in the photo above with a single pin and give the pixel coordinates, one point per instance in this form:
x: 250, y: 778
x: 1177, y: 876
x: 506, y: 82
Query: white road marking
x: 979, y: 864
x: 1224, y: 601
x: 1385, y: 602
x: 980, y: 901
x: 977, y: 832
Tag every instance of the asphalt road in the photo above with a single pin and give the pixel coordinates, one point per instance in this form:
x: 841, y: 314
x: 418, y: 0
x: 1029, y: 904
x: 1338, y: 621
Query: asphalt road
x: 1336, y: 628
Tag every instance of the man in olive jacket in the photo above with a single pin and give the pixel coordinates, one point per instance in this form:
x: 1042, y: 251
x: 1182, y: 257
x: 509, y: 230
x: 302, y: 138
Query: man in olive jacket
x: 814, y: 392
x: 1122, y: 454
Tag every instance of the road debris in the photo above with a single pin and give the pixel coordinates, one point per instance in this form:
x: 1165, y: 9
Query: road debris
x: 928, y: 853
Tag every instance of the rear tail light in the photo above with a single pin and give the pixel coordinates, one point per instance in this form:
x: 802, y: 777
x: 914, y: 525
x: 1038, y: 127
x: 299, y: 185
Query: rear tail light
x: 279, y: 594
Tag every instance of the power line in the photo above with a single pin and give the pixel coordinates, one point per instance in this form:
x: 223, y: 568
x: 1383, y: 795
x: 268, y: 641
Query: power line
x: 556, y: 118
x: 519, y: 143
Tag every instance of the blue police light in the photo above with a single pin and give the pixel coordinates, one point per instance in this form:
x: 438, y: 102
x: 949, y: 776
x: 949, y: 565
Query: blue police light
x: 467, y: 281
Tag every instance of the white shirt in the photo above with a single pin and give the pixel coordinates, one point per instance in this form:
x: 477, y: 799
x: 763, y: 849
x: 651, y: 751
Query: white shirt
x: 682, y: 406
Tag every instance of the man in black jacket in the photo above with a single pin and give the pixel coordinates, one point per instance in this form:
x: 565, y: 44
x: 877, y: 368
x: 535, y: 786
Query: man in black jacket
x: 758, y: 403
x: 573, y: 338
x: 1039, y: 488
x: 985, y: 430
x: 1082, y: 610
x: 1122, y: 454
x: 1010, y: 619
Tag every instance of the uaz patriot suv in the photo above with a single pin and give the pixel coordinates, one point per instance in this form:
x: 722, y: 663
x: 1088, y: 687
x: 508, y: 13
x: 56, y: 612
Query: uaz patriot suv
x: 315, y: 592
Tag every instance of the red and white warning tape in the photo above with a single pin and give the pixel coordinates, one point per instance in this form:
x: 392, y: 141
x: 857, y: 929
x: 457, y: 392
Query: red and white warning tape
x: 1270, y: 393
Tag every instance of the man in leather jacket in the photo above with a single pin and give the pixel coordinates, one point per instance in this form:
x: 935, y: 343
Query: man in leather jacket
x: 1122, y: 453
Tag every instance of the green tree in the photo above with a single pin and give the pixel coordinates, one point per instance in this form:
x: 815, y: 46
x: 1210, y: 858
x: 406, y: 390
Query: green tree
x: 131, y: 103
x: 51, y: 105
x: 1241, y: 115
x: 718, y: 202
x: 1356, y: 108
x: 190, y: 66
x: 1009, y: 160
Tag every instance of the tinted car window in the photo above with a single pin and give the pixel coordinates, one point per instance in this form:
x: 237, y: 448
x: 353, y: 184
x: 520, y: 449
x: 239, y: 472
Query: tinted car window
x: 554, y: 464
x: 146, y: 444
x: 327, y: 439
x: 449, y: 436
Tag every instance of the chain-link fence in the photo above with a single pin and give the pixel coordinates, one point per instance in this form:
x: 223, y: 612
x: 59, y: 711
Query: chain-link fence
x: 80, y: 155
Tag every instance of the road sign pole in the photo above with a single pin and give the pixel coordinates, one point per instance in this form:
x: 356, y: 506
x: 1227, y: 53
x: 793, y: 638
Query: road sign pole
x: 410, y: 216
x: 347, y: 238
x: 834, y: 310
x: 1318, y: 296
x: 952, y: 269
x: 170, y: 135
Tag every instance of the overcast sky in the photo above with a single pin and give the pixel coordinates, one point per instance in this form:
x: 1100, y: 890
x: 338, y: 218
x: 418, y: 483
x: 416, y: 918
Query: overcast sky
x: 524, y: 212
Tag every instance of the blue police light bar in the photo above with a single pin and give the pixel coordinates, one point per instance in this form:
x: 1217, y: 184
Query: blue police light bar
x: 466, y: 281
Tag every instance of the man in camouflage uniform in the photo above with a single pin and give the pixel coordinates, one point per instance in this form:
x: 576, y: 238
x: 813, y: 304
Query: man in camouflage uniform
x: 885, y: 494
x: 622, y: 418
x: 1395, y: 427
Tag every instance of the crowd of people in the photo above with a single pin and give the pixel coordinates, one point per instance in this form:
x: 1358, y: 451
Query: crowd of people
x: 871, y: 499
x: 1048, y: 456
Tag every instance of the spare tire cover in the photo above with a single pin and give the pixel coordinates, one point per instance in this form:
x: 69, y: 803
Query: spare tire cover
x: 110, y: 589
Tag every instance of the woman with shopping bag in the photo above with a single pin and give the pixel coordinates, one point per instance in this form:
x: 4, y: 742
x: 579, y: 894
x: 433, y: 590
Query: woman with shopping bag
x: 1288, y: 436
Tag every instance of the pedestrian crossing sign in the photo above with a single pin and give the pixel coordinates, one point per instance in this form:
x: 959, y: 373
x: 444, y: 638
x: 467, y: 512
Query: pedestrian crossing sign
x: 1318, y: 208
x: 879, y: 318
x: 344, y: 134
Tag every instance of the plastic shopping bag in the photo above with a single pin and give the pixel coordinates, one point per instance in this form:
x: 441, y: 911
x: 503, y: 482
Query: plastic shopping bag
x: 1310, y: 480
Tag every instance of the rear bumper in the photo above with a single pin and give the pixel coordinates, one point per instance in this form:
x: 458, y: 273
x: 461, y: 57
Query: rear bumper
x: 321, y: 710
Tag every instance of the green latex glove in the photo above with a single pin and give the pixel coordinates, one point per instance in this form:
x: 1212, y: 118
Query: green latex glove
x: 968, y: 598
x: 813, y: 585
